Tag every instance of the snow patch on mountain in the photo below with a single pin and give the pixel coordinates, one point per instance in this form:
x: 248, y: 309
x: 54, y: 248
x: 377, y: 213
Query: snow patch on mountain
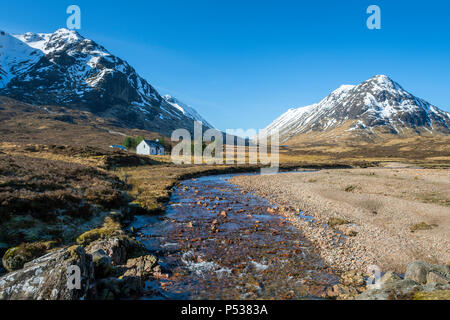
x: 16, y: 58
x: 376, y: 103
x: 64, y: 68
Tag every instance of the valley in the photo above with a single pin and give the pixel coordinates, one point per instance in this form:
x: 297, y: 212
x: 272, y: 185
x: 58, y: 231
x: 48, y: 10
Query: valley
x: 362, y: 185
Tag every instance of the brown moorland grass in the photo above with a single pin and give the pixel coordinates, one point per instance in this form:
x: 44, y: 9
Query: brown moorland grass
x: 37, y: 191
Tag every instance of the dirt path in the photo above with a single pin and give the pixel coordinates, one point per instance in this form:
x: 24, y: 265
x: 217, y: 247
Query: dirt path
x: 382, y: 207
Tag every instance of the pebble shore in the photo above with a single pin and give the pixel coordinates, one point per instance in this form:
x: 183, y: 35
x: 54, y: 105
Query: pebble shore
x: 376, y: 221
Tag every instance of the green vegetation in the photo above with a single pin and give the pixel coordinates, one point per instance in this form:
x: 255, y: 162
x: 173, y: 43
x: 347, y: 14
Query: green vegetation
x: 132, y: 142
x: 15, y: 258
x: 110, y: 228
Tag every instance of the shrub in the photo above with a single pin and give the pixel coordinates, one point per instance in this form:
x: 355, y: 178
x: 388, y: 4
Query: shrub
x: 334, y: 222
x: 132, y: 142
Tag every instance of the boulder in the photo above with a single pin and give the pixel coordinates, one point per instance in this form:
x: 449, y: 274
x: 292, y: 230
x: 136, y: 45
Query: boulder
x: 396, y: 290
x: 102, y: 264
x: 15, y: 258
x: 443, y: 270
x: 388, y: 277
x: 422, y: 281
x: 119, y: 249
x: 142, y: 267
x: 436, y: 278
x: 46, y: 277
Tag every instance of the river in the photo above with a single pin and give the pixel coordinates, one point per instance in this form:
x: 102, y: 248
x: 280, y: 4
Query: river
x: 218, y: 242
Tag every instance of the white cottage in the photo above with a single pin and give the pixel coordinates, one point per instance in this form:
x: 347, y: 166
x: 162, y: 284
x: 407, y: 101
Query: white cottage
x: 150, y: 148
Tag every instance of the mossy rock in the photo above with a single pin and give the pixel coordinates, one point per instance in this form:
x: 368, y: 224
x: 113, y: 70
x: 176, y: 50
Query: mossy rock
x: 15, y: 258
x: 95, y: 234
x: 110, y: 228
x: 434, y: 295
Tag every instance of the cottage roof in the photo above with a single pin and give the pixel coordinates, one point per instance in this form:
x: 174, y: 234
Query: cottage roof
x: 153, y: 143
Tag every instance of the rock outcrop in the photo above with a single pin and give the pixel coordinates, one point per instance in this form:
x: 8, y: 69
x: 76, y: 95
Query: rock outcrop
x: 422, y: 281
x: 46, y: 278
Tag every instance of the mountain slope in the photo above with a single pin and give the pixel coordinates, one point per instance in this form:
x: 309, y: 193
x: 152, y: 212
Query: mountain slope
x: 52, y: 125
x: 186, y: 110
x: 376, y: 107
x: 65, y: 69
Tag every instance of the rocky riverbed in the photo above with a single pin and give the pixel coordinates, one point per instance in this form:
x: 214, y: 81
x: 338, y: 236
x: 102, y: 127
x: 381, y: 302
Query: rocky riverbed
x: 222, y: 243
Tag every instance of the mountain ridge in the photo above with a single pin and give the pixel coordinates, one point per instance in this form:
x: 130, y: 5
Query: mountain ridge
x: 65, y: 69
x: 376, y: 107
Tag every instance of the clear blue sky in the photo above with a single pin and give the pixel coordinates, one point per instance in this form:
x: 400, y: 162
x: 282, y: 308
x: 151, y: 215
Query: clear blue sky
x: 243, y: 63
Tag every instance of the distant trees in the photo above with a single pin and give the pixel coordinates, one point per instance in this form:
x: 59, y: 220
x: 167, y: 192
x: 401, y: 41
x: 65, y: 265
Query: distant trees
x: 132, y: 142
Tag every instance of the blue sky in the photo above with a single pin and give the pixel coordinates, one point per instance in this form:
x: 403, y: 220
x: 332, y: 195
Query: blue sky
x: 243, y: 63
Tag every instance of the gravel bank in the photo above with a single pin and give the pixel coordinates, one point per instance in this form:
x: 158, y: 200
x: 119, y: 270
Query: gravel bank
x: 376, y: 211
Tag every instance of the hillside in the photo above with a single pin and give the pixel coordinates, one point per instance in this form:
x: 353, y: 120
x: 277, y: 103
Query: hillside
x: 52, y: 125
x: 66, y: 69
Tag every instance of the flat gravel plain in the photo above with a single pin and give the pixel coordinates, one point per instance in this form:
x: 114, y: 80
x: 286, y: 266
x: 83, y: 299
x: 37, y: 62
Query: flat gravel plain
x: 387, y: 217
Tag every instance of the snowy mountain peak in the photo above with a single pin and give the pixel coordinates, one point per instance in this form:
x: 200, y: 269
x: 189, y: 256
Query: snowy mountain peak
x: 64, y: 68
x: 51, y: 42
x: 376, y: 105
x: 381, y: 78
x: 382, y: 82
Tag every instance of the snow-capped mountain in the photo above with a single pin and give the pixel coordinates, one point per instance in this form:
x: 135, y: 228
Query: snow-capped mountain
x: 64, y: 68
x: 376, y: 106
x: 186, y: 110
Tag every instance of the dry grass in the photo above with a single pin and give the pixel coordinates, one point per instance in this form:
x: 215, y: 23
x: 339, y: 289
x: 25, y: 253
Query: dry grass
x: 58, y: 192
x: 422, y: 226
x: 27, y: 124
x: 334, y: 222
x: 152, y: 185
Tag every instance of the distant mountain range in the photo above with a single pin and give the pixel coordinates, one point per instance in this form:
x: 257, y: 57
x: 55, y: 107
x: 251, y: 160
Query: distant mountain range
x: 65, y: 69
x: 378, y: 107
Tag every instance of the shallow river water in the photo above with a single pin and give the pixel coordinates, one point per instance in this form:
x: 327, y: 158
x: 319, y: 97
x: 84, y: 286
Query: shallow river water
x: 218, y: 242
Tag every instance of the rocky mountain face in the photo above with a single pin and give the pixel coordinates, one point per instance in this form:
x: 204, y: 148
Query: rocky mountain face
x: 65, y: 69
x: 375, y: 107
